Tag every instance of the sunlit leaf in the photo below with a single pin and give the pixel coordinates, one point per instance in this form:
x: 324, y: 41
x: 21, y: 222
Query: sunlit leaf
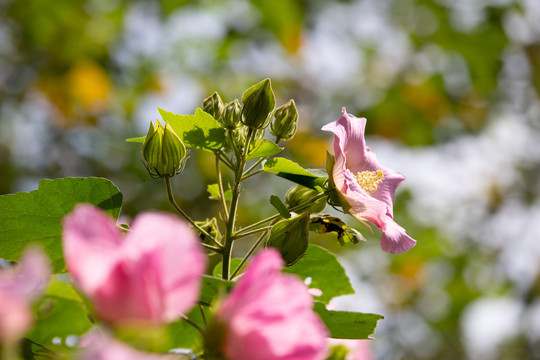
x: 325, y: 273
x: 36, y: 217
x: 263, y: 149
x: 199, y: 131
x: 346, y: 324
x: 213, y: 190
x: 290, y: 170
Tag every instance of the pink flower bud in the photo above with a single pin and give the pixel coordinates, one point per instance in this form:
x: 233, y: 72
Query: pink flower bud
x: 19, y: 286
x: 269, y: 315
x: 151, y: 275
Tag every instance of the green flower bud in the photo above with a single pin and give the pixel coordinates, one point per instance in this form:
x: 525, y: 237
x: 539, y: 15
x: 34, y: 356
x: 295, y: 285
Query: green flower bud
x: 291, y: 237
x: 285, y: 118
x: 239, y: 136
x: 214, y: 105
x: 259, y: 102
x: 232, y: 115
x: 299, y: 194
x: 163, y: 151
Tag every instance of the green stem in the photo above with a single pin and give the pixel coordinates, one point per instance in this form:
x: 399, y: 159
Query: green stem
x: 242, y: 234
x: 296, y: 208
x: 170, y: 195
x: 247, y: 172
x: 252, y: 174
x: 202, y: 314
x: 221, y: 156
x: 192, y: 323
x: 221, y: 192
x: 251, y: 250
x: 229, y: 234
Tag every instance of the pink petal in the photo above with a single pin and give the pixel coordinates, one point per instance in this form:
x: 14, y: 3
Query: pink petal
x: 15, y: 318
x: 27, y: 280
x: 349, y: 139
x: 269, y: 315
x: 128, y: 295
x: 151, y: 275
x: 177, y: 259
x: 91, y: 242
x: 394, y: 239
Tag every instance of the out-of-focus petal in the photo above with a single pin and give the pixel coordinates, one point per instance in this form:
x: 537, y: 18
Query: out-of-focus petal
x: 91, y: 244
x: 19, y: 286
x: 178, y: 248
x: 269, y: 315
x: 15, y: 318
x: 152, y: 274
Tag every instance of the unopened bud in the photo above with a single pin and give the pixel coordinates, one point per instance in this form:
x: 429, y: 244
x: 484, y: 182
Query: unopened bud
x: 291, y: 237
x: 231, y: 115
x: 163, y: 151
x: 285, y: 118
x: 239, y: 136
x: 258, y: 102
x: 213, y: 105
x: 299, y: 194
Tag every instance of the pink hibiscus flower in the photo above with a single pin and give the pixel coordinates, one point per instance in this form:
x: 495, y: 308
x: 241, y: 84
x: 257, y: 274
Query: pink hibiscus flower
x: 269, y: 315
x: 366, y: 187
x: 151, y: 275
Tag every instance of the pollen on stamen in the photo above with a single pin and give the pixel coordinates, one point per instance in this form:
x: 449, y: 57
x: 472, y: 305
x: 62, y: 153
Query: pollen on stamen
x: 369, y: 180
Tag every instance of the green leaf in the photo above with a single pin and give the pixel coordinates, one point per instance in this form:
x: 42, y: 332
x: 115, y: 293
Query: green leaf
x: 213, y: 190
x: 346, y: 324
x: 199, y: 131
x: 290, y: 170
x: 325, y: 271
x: 218, y: 269
x: 280, y: 206
x: 137, y: 139
x: 59, y: 314
x: 36, y: 217
x: 327, y: 223
x: 211, y: 287
x: 186, y: 336
x: 263, y: 149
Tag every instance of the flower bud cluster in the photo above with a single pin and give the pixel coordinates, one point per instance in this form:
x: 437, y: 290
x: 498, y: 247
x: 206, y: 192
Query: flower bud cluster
x: 256, y: 112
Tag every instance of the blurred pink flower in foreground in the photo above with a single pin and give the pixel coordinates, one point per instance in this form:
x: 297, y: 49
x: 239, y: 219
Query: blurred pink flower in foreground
x: 151, y: 275
x: 269, y: 315
x: 97, y: 345
x: 19, y: 286
x: 366, y: 186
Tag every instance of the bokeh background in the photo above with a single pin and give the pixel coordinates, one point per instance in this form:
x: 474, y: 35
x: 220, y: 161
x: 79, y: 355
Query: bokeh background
x: 450, y: 89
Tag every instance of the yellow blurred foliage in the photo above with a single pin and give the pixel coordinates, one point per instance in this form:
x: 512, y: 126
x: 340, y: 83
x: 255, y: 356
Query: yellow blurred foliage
x: 89, y: 86
x: 427, y: 100
x: 310, y: 151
